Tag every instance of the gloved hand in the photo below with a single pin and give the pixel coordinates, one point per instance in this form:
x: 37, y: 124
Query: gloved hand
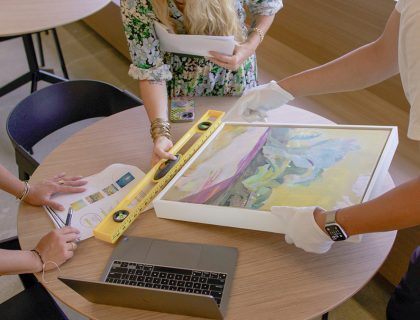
x: 302, y: 230
x: 255, y: 102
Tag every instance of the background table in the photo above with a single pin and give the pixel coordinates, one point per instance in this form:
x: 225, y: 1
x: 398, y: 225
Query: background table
x: 23, y: 17
x: 272, y: 278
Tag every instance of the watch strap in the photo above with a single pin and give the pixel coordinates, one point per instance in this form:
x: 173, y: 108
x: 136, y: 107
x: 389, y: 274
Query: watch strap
x: 330, y: 216
x: 333, y: 228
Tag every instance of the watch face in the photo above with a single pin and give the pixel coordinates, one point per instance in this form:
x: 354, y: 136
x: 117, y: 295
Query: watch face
x: 335, y: 232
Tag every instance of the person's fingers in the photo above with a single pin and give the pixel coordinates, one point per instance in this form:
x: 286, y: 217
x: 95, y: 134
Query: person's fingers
x: 155, y: 159
x: 70, y: 189
x: 288, y: 239
x: 78, y: 183
x: 59, y: 176
x: 164, y: 155
x: 224, y: 65
x: 54, y: 205
x: 220, y: 57
x: 69, y: 230
x: 73, y: 183
x: 73, y: 178
x: 71, y: 246
x: 254, y: 115
x: 69, y: 237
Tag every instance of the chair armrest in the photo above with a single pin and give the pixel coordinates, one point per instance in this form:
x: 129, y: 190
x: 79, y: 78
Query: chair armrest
x: 134, y: 97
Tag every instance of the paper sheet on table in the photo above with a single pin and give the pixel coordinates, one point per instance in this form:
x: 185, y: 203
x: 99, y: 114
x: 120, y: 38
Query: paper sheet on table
x: 104, y: 191
x: 197, y: 45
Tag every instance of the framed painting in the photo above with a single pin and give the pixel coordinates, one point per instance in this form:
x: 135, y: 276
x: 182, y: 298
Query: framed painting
x: 245, y: 169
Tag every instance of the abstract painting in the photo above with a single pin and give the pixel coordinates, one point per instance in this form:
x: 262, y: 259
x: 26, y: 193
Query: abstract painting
x: 258, y: 167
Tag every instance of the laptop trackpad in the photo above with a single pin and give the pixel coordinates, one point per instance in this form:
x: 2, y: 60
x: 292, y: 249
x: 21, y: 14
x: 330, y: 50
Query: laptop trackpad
x: 174, y: 254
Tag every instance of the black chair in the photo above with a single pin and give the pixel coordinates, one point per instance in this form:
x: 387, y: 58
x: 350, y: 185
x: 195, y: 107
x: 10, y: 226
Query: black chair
x: 34, y: 302
x: 50, y: 109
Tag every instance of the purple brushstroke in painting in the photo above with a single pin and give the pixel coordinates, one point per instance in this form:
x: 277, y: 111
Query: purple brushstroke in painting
x: 204, y: 195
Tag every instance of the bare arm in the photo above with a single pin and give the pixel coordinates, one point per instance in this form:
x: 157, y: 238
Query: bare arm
x: 57, y: 246
x: 19, y: 261
x: 397, y: 209
x: 40, y: 193
x: 155, y: 98
x: 9, y: 183
x: 262, y: 23
x: 358, y: 69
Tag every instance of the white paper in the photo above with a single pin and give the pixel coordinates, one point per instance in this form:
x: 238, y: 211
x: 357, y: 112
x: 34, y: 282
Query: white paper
x: 197, y: 45
x: 104, y: 191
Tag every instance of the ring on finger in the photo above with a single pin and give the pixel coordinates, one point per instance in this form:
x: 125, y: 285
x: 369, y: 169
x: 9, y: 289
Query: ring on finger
x: 61, y: 181
x: 73, y: 246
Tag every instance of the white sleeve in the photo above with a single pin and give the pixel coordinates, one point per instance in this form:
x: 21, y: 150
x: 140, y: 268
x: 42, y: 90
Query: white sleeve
x: 409, y: 60
x: 398, y: 5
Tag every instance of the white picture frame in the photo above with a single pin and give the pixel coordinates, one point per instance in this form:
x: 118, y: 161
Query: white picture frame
x: 264, y: 220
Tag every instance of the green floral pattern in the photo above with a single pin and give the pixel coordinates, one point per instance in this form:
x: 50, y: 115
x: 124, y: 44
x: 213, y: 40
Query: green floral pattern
x: 186, y: 75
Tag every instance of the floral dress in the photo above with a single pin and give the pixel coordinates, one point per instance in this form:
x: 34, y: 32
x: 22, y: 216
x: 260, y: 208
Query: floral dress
x: 186, y: 75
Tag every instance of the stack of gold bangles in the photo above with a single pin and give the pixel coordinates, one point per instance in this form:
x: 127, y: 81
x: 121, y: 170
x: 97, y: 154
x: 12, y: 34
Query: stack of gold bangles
x: 160, y: 128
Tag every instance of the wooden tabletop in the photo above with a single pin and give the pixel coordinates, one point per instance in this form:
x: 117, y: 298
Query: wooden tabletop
x: 27, y: 16
x: 272, y: 278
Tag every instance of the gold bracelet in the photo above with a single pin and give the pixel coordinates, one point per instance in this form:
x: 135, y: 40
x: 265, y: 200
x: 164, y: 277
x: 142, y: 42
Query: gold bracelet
x: 159, y: 128
x: 25, y: 191
x: 259, y: 31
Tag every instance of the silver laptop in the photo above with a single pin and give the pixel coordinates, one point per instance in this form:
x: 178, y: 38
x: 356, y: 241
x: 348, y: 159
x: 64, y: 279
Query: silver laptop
x: 166, y: 276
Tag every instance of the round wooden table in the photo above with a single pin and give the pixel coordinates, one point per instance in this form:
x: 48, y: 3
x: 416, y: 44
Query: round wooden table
x: 24, y: 17
x: 273, y: 280
x: 28, y: 16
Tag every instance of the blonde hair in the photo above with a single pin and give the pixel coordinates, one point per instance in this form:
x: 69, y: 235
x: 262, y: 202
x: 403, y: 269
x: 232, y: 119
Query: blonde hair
x: 209, y: 17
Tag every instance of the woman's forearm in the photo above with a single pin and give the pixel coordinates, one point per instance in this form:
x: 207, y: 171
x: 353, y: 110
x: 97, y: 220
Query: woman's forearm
x: 394, y: 210
x: 19, y: 261
x: 261, y: 23
x: 155, y: 98
x: 358, y: 69
x: 9, y: 183
x: 397, y: 209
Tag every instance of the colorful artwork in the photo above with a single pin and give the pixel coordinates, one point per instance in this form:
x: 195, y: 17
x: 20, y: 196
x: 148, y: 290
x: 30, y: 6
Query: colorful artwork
x: 258, y: 167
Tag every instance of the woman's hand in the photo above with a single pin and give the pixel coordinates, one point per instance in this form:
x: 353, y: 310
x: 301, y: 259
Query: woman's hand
x: 57, y: 246
x: 40, y: 193
x: 233, y: 62
x: 160, y: 150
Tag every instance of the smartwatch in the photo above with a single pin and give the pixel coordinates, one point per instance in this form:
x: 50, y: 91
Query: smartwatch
x: 334, y: 230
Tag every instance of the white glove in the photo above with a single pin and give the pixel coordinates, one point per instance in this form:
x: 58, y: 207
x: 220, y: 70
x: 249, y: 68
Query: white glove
x: 302, y: 229
x: 255, y: 102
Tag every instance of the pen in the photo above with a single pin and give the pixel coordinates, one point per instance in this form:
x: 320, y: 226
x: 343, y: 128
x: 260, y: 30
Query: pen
x: 69, y: 215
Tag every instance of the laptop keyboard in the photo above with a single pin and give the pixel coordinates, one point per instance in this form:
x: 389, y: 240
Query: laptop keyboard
x: 168, y: 278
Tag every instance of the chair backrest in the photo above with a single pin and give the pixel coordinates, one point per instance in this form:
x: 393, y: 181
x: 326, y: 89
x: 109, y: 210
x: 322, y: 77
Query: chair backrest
x: 58, y: 105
